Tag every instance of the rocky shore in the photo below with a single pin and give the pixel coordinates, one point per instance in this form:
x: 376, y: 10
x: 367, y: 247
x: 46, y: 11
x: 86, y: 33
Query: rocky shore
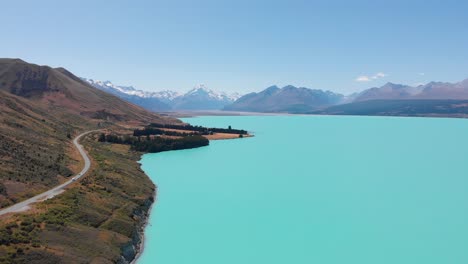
x: 133, y: 249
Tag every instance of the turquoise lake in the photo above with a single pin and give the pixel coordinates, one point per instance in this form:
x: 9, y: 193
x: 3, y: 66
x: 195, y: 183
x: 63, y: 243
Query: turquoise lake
x: 314, y: 189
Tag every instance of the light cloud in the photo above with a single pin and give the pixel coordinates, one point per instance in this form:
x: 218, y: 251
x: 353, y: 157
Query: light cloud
x: 422, y: 73
x: 363, y: 78
x: 367, y: 78
x: 379, y: 75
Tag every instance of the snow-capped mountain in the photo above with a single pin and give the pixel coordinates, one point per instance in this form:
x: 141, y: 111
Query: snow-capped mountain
x: 198, y: 98
x: 107, y: 85
x: 130, y: 90
x: 202, y: 98
x: 166, y: 95
x: 201, y: 89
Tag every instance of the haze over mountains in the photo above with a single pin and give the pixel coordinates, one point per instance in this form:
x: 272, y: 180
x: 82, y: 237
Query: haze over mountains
x: 198, y: 98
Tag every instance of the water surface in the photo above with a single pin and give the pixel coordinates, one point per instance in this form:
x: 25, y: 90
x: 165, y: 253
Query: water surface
x: 314, y: 189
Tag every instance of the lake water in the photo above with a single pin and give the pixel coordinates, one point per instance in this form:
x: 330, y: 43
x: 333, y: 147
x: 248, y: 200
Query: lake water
x: 314, y: 189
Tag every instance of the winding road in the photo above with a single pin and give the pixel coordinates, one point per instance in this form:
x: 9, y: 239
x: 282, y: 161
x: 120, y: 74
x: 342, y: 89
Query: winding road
x: 25, y: 205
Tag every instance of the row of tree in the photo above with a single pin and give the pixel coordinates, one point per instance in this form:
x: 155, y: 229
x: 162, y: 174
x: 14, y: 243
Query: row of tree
x: 159, y: 144
x: 156, y: 144
x: 203, y: 130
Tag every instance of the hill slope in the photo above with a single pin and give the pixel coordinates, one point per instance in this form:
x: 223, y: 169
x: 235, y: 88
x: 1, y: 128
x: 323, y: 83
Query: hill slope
x: 58, y: 90
x: 41, y: 110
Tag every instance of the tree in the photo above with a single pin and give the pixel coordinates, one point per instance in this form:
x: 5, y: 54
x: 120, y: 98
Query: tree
x: 102, y: 137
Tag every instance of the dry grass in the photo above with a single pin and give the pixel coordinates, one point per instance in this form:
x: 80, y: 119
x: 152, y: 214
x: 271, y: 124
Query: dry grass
x: 215, y: 136
x: 219, y: 136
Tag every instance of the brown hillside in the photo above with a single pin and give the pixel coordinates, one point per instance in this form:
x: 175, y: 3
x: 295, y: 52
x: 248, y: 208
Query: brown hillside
x: 98, y: 219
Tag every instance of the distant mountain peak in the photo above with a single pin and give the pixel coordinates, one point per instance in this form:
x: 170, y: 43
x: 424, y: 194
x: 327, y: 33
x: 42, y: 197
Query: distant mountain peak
x: 203, y: 90
x: 393, y: 85
x: 271, y: 90
x: 200, y: 88
x: 289, y: 87
x: 287, y: 99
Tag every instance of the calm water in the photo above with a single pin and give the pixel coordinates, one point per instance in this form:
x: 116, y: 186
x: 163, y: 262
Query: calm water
x: 313, y: 189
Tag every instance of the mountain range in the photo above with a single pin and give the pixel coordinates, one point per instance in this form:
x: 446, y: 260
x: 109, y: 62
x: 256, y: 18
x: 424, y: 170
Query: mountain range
x: 432, y: 90
x: 288, y: 99
x: 292, y: 99
x: 198, y: 98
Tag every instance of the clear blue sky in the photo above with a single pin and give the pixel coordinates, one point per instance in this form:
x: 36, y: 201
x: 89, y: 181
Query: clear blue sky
x: 344, y: 46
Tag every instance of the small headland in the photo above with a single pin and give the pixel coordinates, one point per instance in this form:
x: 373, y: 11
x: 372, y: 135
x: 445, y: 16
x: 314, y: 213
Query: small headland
x: 156, y: 137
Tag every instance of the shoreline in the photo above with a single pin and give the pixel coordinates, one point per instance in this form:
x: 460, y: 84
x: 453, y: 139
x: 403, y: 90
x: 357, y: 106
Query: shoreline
x: 140, y: 247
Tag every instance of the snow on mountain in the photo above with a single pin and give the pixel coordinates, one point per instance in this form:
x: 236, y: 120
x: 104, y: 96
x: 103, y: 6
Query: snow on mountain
x: 198, y: 98
x: 132, y: 95
x: 234, y: 96
x: 201, y: 88
x: 166, y: 94
x: 130, y: 90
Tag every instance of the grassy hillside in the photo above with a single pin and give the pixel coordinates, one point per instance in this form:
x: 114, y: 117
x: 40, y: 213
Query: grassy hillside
x: 94, y: 221
x: 33, y: 149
